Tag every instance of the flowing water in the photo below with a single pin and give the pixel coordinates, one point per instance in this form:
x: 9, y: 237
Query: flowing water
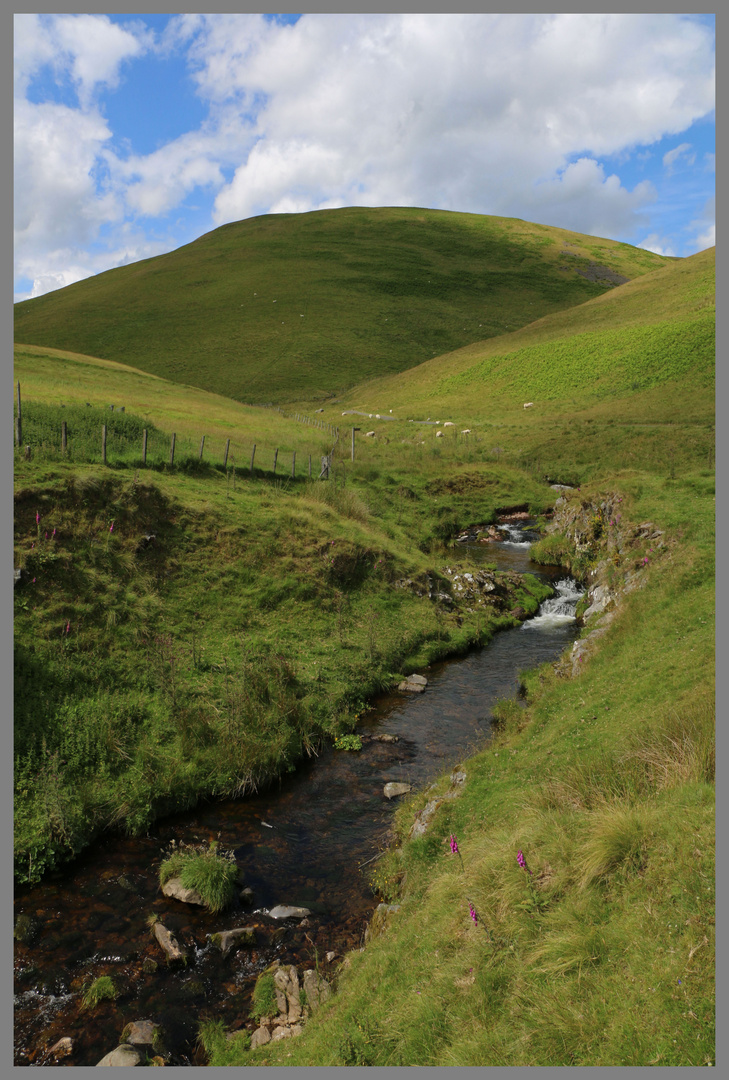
x: 309, y: 840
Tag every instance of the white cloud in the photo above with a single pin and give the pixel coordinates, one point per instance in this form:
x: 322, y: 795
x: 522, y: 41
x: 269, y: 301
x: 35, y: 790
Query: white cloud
x: 89, y: 49
x: 453, y: 111
x: 659, y: 245
x: 504, y: 114
x: 703, y: 228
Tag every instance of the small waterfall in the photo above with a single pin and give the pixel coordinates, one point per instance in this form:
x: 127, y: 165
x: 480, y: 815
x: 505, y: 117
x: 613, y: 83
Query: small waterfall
x: 515, y: 536
x: 559, y: 609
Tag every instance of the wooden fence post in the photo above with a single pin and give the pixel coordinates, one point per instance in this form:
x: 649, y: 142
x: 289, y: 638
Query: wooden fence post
x: 225, y: 456
x: 19, y: 421
x: 293, y: 466
x: 64, y: 436
x: 172, y: 449
x: 103, y: 444
x: 253, y: 454
x: 202, y: 444
x: 275, y: 457
x: 144, y: 446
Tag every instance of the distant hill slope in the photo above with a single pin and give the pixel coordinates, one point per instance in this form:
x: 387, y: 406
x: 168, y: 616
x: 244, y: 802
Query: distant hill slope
x: 651, y: 332
x: 290, y: 306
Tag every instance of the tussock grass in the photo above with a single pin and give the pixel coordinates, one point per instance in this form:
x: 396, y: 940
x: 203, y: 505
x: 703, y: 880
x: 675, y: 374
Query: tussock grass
x: 102, y: 989
x: 206, y: 870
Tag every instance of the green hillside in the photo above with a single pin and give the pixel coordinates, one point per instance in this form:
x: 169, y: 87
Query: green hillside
x: 290, y: 306
x: 641, y: 335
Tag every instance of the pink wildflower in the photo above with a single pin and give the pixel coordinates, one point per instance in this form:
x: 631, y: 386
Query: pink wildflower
x: 454, y: 845
x: 472, y: 913
x: 68, y: 626
x: 37, y: 518
x: 111, y: 527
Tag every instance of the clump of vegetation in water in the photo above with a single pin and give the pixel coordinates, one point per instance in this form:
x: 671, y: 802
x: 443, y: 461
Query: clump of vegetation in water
x: 209, y: 871
x: 348, y: 742
x: 99, y: 990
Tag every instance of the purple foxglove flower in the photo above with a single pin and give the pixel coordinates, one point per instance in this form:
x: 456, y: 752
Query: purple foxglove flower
x: 111, y: 527
x: 68, y: 626
x: 472, y: 913
x: 522, y: 861
x: 37, y: 518
x: 454, y: 845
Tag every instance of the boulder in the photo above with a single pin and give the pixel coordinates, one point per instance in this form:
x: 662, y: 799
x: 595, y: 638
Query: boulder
x: 173, y: 887
x: 260, y: 1037
x: 392, y: 790
x: 143, y: 1034
x: 287, y: 911
x: 227, y: 940
x: 170, y: 945
x: 286, y: 1032
x: 413, y: 684
x: 385, y: 738
x: 123, y: 1055
x: 316, y: 988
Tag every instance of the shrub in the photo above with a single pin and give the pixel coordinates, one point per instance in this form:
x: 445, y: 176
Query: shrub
x: 211, y: 873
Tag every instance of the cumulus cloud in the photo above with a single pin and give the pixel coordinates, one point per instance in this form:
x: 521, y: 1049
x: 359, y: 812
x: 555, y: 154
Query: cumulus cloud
x: 500, y: 114
x: 455, y: 111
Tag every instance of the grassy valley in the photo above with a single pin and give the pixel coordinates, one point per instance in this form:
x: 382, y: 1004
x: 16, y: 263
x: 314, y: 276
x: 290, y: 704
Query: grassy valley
x: 196, y: 629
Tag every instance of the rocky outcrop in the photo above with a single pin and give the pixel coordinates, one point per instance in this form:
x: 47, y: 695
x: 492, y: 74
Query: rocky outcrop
x: 612, y: 554
x: 316, y: 988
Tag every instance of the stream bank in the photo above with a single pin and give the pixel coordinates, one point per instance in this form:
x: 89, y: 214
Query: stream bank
x: 300, y: 843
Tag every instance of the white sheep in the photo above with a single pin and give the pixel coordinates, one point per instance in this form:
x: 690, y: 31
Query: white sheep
x: 528, y: 404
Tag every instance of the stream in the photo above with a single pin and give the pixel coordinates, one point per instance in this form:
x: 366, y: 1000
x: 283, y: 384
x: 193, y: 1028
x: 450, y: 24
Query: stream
x: 303, y: 841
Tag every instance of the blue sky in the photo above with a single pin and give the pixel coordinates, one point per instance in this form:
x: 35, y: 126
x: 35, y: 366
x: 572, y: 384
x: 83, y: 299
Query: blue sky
x: 134, y: 134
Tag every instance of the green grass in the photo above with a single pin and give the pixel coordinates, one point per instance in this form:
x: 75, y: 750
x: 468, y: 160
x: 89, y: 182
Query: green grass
x: 102, y: 989
x: 209, y: 872
x: 264, y: 996
x: 358, y: 293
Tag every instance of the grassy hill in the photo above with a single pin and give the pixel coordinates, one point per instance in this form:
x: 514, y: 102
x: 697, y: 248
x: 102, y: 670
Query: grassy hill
x: 147, y: 675
x: 290, y: 306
